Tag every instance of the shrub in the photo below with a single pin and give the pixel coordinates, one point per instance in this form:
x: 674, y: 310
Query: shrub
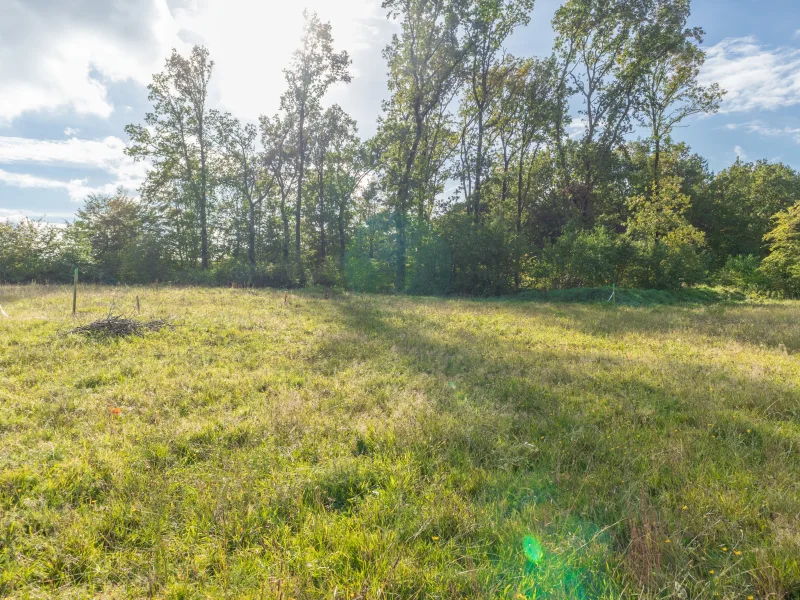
x: 142, y: 260
x: 581, y: 258
x: 482, y: 255
x: 328, y: 273
x: 664, y: 265
x: 782, y: 265
x: 370, y: 260
x: 430, y: 262
x: 39, y: 251
x: 743, y: 273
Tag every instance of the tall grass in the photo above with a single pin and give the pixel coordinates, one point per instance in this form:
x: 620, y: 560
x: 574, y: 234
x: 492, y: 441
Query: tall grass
x: 294, y: 446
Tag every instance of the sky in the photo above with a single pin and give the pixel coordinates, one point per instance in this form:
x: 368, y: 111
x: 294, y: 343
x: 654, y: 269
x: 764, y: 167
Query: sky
x: 73, y: 73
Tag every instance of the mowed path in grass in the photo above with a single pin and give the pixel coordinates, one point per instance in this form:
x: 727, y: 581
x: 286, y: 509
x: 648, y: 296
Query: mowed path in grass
x: 275, y: 446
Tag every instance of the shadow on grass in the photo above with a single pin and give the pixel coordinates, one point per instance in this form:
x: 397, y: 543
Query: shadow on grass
x: 635, y: 297
x: 502, y: 394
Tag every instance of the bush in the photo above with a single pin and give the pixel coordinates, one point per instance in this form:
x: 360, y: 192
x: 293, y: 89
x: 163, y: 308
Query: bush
x: 142, y: 261
x: 369, y: 264
x: 662, y: 265
x: 328, y: 274
x: 581, y: 258
x: 482, y: 255
x: 668, y: 249
x: 743, y: 273
x: 430, y: 262
x: 38, y: 251
x: 782, y: 265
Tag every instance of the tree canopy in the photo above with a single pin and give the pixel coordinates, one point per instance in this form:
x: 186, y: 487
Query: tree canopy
x: 489, y: 172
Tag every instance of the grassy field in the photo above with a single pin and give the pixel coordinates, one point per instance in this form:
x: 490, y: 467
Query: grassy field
x: 293, y: 446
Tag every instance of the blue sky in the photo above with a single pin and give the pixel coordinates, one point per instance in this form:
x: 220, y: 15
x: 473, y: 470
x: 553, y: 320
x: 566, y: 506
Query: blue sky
x: 73, y: 73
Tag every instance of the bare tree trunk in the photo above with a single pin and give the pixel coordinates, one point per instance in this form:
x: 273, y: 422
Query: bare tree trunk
x: 400, y: 212
x: 251, y: 249
x: 657, y: 167
x: 341, y: 236
x: 504, y: 190
x: 518, y: 274
x: 321, y: 182
x: 298, y: 207
x: 286, y: 234
x: 203, y: 203
x: 478, y: 166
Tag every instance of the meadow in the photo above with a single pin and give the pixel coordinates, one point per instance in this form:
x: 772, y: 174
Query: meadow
x: 293, y: 445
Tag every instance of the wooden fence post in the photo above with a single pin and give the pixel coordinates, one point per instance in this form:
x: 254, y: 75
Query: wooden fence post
x: 75, y: 292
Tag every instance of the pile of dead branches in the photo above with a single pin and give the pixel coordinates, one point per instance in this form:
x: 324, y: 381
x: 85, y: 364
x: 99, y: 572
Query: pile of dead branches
x: 119, y: 326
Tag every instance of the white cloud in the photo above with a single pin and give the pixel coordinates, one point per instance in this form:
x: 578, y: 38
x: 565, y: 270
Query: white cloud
x: 62, y: 54
x: 78, y: 189
x: 577, y: 128
x: 251, y: 52
x: 25, y: 180
x: 739, y: 152
x: 99, y: 154
x: 105, y: 155
x: 59, y: 54
x: 18, y: 214
x: 756, y: 76
x: 766, y: 131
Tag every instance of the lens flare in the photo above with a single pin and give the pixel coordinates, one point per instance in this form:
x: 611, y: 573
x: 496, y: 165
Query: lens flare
x: 532, y: 548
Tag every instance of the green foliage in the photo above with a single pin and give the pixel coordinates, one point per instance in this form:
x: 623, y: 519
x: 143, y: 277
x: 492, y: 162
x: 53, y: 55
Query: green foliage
x: 328, y: 273
x: 666, y: 246
x: 425, y: 61
x: 176, y: 140
x: 665, y: 264
x: 783, y: 263
x: 482, y: 255
x: 302, y: 200
x: 745, y: 198
x: 430, y: 261
x: 37, y: 251
x: 743, y: 273
x: 143, y: 260
x: 111, y: 225
x: 638, y: 258
x: 369, y: 261
x: 580, y: 258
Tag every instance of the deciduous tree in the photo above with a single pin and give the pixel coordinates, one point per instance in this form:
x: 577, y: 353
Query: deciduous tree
x: 314, y: 67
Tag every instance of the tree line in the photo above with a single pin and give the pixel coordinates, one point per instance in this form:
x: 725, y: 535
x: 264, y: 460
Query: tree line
x: 489, y: 172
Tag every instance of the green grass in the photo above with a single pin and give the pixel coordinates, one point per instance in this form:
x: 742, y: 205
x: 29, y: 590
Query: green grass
x: 632, y: 297
x: 393, y: 447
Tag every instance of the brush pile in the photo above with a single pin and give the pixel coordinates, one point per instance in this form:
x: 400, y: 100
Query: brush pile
x: 118, y: 326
